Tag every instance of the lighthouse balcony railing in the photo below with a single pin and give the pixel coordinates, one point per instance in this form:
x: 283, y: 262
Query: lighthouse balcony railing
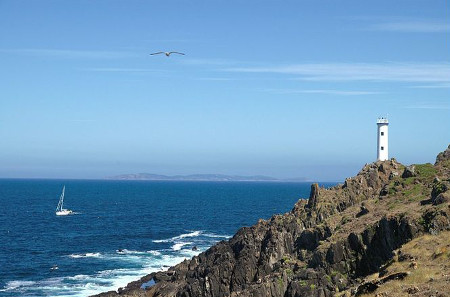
x: 382, y: 121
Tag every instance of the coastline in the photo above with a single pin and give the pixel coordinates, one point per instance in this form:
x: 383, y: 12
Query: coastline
x: 332, y: 242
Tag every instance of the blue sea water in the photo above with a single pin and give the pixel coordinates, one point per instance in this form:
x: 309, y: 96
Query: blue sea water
x: 122, y: 230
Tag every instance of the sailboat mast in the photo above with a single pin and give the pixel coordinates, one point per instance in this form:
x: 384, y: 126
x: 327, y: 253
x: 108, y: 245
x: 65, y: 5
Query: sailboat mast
x: 61, y: 200
x: 62, y: 196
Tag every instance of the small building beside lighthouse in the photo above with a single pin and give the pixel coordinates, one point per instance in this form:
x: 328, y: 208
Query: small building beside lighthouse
x: 382, y: 139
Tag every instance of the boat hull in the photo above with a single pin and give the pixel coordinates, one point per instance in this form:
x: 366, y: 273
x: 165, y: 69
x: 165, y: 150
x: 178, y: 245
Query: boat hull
x: 64, y: 212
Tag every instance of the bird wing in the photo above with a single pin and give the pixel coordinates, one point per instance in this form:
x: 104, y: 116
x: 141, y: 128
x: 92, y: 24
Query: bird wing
x: 176, y: 53
x: 157, y: 53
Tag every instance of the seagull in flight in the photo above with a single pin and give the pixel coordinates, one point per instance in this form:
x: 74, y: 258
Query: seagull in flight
x: 167, y: 53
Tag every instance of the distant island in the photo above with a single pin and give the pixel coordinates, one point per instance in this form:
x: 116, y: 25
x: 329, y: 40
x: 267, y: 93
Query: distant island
x: 202, y: 177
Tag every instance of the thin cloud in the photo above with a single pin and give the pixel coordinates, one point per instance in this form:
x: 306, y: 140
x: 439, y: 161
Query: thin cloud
x: 323, y: 91
x: 428, y: 106
x: 122, y: 70
x: 400, y: 72
x: 436, y: 86
x: 208, y: 62
x: 71, y: 54
x: 412, y: 26
x: 216, y: 78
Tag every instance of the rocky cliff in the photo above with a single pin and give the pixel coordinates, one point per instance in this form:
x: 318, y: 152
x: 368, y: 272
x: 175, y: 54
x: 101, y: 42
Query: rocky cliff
x: 343, y: 241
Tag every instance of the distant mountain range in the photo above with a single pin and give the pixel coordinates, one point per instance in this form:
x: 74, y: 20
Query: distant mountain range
x: 201, y: 177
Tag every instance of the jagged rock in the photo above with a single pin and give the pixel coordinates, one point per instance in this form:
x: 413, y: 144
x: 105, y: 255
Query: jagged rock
x: 393, y: 175
x: 405, y: 257
x: 435, y: 221
x: 363, y: 211
x: 426, y: 201
x: 412, y: 290
x: 443, y: 157
x: 373, y: 285
x: 382, y: 168
x: 312, y: 202
x: 367, y: 288
x: 373, y: 180
x: 410, y: 171
x: 442, y: 198
x: 439, y: 187
x: 310, y: 238
x: 385, y: 190
x: 319, y: 247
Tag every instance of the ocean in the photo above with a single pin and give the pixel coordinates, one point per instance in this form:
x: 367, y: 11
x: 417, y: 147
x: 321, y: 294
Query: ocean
x: 121, y: 230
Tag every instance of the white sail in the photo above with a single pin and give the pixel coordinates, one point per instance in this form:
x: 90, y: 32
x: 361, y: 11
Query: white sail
x: 60, y: 211
x: 61, y: 200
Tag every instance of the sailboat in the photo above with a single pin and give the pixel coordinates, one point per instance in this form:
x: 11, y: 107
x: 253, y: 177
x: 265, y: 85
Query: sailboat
x: 60, y: 211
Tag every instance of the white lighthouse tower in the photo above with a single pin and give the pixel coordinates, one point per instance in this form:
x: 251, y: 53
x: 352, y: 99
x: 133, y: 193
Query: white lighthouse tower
x: 382, y: 139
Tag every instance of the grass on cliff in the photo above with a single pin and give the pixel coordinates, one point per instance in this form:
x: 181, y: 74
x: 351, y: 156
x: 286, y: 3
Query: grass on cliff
x: 403, y: 198
x: 427, y: 261
x: 426, y: 170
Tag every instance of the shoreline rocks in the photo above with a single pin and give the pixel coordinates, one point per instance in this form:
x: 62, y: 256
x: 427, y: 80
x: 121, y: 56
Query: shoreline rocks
x: 325, y: 244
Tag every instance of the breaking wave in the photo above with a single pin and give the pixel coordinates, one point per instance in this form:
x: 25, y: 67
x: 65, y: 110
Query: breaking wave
x: 131, y: 265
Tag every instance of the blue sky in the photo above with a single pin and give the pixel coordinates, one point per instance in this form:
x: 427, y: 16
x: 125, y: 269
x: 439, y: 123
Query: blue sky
x: 280, y: 88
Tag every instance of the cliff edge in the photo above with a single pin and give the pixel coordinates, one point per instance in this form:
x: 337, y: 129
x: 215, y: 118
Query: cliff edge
x: 384, y: 232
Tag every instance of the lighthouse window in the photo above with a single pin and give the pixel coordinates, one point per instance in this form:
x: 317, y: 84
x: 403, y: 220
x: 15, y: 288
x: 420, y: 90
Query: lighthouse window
x: 382, y: 133
x: 382, y: 148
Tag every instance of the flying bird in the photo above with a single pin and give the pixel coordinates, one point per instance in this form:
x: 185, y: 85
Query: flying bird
x: 167, y: 53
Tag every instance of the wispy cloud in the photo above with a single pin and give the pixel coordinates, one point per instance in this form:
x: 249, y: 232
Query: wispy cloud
x: 123, y: 70
x: 322, y: 91
x: 209, y: 62
x: 71, y: 54
x: 400, y: 72
x: 434, y: 86
x: 428, y: 106
x: 412, y: 26
x: 216, y: 78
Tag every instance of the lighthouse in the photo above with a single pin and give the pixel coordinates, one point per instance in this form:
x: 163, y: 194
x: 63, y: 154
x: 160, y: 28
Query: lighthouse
x: 382, y: 139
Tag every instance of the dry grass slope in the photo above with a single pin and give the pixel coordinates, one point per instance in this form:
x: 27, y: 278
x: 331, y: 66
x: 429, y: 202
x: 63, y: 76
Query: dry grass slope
x: 427, y: 260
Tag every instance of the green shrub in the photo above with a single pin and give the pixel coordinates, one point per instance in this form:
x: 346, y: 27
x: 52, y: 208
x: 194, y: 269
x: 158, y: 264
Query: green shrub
x: 426, y: 170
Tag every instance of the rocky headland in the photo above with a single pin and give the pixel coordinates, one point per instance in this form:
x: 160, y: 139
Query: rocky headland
x: 384, y: 232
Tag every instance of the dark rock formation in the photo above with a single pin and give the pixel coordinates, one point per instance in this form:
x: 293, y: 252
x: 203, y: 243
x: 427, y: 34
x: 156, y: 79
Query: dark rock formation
x: 409, y: 171
x: 312, y: 201
x: 440, y: 192
x: 323, y: 245
x: 373, y: 285
x: 441, y: 198
x: 443, y: 157
x: 363, y: 210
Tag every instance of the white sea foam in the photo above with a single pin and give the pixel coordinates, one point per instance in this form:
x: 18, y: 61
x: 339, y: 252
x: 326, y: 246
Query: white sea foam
x: 189, y: 253
x: 142, y: 262
x: 130, y: 252
x: 79, y: 277
x: 191, y: 234
x: 13, y: 285
x: 154, y: 253
x: 86, y: 255
x: 177, y: 246
x: 216, y: 235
